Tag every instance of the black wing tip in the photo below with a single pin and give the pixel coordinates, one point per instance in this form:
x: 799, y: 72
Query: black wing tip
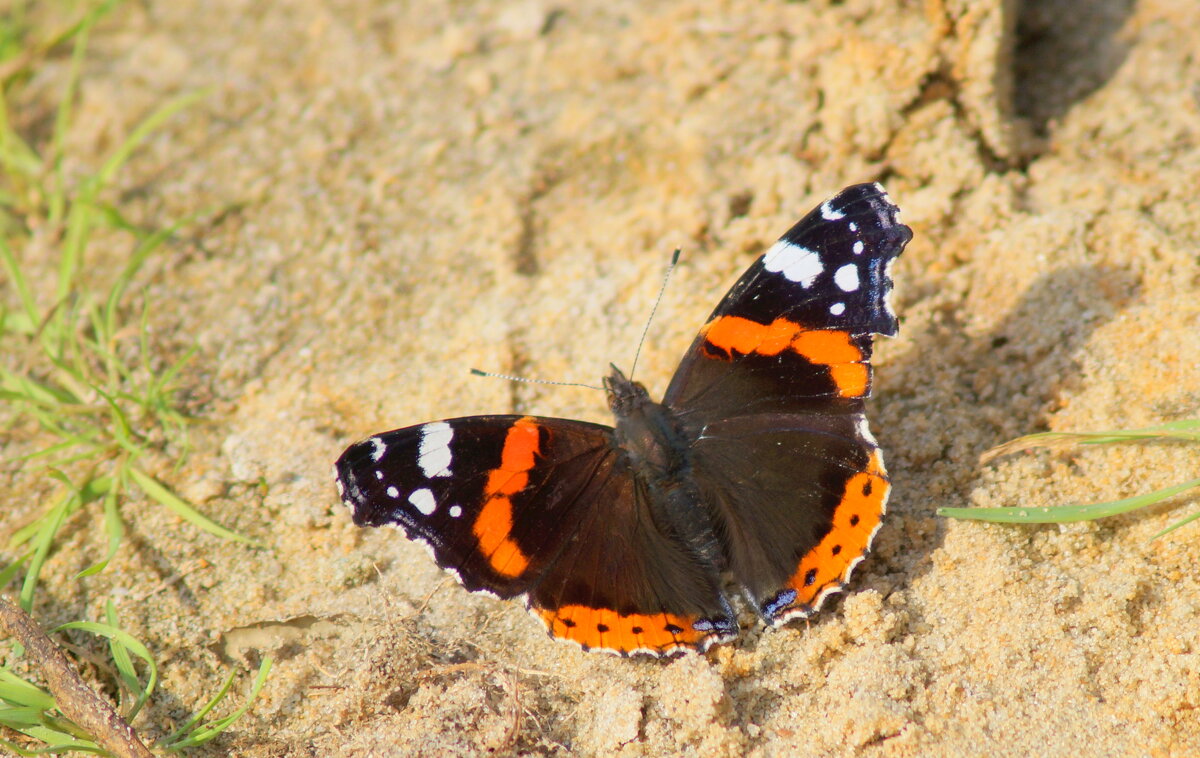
x: 867, y: 210
x: 348, y: 475
x: 868, y: 192
x: 877, y: 201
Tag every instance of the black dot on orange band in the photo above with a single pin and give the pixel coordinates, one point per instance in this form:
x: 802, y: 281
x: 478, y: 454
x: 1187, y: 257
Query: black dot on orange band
x: 867, y: 488
x: 601, y: 628
x: 673, y: 629
x: 636, y: 630
x: 854, y: 520
x: 837, y: 549
x: 810, y: 576
x: 568, y: 623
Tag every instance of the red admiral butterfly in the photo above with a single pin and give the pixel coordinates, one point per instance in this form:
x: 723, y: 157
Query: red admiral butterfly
x: 757, y: 465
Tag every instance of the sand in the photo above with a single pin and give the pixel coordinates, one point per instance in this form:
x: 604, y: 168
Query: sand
x: 390, y: 194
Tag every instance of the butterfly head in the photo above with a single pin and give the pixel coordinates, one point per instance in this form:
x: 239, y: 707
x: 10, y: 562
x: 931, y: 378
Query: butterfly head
x: 624, y: 394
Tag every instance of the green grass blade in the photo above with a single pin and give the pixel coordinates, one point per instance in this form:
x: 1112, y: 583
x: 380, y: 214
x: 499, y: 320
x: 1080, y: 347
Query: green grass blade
x: 93, y: 449
x: 17, y: 158
x: 178, y: 734
x: 95, y: 488
x: 124, y: 664
x: 14, y: 748
x: 135, y: 263
x: 102, y: 347
x: 1067, y: 513
x: 1186, y: 430
x: 113, y: 527
x: 127, y: 643
x: 57, y: 199
x: 121, y: 429
x: 10, y: 571
x: 166, y: 378
x: 19, y: 693
x: 22, y: 717
x: 24, y: 534
x: 16, y: 323
x: 143, y: 130
x: 37, y: 392
x: 206, y: 733
x: 1176, y: 525
x: 17, y: 277
x: 51, y: 421
x: 164, y: 496
x: 48, y: 527
x: 56, y: 742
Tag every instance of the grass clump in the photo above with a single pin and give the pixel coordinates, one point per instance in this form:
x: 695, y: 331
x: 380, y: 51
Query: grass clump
x: 79, y: 366
x: 87, y: 376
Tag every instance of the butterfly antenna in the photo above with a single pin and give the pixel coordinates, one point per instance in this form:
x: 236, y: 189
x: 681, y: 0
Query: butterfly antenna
x: 657, y: 300
x: 527, y: 380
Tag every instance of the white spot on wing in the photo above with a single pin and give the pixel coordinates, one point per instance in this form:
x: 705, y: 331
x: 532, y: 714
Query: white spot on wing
x: 455, y: 511
x: 887, y: 297
x: 858, y: 247
x: 846, y: 277
x: 423, y: 501
x: 393, y: 492
x: 378, y: 448
x: 798, y: 264
x: 837, y: 309
x: 829, y: 213
x: 434, y: 453
x: 853, y: 226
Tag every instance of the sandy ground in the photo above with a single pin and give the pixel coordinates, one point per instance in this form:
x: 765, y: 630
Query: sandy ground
x: 390, y: 194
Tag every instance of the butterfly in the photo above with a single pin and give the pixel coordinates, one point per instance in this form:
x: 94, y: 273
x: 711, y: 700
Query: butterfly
x: 757, y: 469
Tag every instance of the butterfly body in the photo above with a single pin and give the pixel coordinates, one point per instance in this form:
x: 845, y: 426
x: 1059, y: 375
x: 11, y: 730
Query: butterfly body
x: 655, y: 446
x: 756, y: 466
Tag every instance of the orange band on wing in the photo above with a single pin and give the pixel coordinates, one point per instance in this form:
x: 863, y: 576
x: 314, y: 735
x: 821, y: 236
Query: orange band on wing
x: 493, y: 525
x: 603, y: 628
x: 854, y: 521
x: 735, y: 334
x: 826, y: 347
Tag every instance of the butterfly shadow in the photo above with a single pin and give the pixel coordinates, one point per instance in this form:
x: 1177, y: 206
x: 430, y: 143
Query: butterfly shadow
x: 954, y: 395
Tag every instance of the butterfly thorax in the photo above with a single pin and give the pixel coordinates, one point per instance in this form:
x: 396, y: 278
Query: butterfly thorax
x: 649, y: 437
x: 646, y: 432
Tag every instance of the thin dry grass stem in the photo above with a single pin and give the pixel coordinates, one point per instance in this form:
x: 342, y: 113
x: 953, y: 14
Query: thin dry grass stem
x: 508, y: 682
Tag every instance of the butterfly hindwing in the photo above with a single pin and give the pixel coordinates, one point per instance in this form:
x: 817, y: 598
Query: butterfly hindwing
x: 628, y: 583
x: 801, y: 497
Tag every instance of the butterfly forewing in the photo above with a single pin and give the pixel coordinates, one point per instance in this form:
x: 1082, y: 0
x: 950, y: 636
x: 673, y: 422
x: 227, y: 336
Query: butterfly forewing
x: 794, y: 332
x: 487, y: 494
x: 545, y: 508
